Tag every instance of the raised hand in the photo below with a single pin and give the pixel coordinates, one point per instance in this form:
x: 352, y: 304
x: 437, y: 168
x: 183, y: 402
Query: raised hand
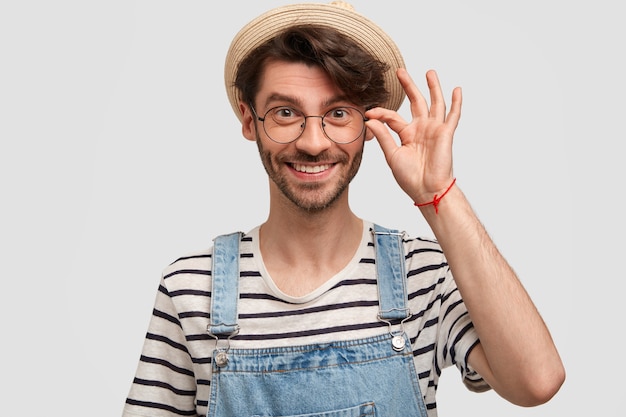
x: 422, y: 162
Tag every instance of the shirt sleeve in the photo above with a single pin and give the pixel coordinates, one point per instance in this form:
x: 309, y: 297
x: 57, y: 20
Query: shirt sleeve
x: 164, y: 383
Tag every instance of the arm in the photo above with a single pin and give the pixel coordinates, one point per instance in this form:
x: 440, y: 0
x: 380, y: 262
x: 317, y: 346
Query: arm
x: 516, y: 355
x: 164, y: 383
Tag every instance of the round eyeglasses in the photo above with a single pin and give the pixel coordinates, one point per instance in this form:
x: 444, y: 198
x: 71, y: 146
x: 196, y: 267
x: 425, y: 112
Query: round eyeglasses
x: 285, y: 124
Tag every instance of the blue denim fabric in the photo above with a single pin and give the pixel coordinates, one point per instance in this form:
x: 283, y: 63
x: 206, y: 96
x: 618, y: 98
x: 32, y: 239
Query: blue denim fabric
x: 364, y: 377
x: 390, y: 268
x: 225, y: 283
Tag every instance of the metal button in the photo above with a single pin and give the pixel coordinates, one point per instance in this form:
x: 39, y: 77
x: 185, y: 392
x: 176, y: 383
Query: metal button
x: 398, y: 343
x: 221, y: 359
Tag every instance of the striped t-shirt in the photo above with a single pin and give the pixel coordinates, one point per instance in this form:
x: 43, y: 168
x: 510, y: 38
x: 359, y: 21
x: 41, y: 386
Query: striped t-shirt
x: 173, y: 376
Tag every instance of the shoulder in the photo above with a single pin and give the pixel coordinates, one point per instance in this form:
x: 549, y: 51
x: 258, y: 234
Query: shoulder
x: 423, y: 250
x: 198, y: 264
x: 194, y: 261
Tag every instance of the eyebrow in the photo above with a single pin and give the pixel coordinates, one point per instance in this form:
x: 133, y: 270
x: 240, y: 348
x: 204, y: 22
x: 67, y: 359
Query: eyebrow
x: 295, y: 101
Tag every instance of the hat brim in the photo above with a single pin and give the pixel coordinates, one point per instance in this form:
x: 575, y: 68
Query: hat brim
x: 340, y: 17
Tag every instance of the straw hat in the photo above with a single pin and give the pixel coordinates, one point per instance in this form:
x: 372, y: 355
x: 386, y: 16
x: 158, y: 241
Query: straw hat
x: 337, y: 14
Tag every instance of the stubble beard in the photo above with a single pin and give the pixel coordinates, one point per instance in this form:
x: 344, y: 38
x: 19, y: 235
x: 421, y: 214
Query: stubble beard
x: 309, y: 197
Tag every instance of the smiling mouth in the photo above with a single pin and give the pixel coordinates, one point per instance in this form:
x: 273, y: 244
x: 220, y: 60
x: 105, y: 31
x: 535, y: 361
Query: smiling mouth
x: 310, y: 169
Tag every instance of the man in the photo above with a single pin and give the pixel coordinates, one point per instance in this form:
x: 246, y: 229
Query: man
x: 316, y: 311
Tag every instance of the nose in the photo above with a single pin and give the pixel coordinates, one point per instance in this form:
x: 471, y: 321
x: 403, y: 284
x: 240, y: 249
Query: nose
x: 313, y: 140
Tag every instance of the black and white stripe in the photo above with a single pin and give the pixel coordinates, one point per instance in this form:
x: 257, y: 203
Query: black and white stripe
x: 174, y: 371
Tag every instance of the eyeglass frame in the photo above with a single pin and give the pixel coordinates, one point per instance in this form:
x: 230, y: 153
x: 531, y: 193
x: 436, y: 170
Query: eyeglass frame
x: 262, y: 120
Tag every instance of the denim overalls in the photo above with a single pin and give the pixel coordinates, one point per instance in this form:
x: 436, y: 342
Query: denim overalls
x: 373, y: 376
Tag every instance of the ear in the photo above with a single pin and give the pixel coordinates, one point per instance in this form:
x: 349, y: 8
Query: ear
x: 248, y: 122
x: 369, y: 135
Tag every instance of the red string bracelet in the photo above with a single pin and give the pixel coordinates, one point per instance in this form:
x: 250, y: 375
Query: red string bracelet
x: 436, y: 199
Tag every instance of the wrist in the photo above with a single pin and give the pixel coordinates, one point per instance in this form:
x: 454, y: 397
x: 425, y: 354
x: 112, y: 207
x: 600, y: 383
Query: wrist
x: 436, y: 199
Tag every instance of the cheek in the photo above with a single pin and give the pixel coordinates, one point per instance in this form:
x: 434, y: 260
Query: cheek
x: 355, y: 149
x: 268, y: 151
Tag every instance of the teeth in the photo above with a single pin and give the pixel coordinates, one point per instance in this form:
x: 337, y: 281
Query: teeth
x: 311, y: 169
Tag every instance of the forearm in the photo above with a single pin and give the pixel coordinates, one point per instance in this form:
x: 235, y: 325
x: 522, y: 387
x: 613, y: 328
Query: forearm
x: 520, y: 360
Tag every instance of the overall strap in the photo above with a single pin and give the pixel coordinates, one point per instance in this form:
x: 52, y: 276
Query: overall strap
x: 391, y: 275
x: 225, y: 286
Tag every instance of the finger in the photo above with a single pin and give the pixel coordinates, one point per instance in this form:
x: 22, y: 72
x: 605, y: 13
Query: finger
x: 390, y: 117
x: 452, y: 120
x: 384, y: 138
x: 419, y: 106
x: 437, y: 102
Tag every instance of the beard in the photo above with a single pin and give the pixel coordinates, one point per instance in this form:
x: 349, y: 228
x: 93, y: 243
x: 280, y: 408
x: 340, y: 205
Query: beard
x: 311, y: 197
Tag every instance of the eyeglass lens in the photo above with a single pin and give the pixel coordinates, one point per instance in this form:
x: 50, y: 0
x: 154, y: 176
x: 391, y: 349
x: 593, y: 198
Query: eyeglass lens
x: 341, y: 125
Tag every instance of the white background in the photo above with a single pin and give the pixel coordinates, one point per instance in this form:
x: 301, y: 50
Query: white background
x: 119, y: 152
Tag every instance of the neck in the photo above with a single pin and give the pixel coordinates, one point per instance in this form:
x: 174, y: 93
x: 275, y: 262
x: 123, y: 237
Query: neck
x: 322, y: 233
x: 301, y: 250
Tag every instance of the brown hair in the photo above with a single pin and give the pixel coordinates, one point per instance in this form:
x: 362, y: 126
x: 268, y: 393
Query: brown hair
x: 355, y: 72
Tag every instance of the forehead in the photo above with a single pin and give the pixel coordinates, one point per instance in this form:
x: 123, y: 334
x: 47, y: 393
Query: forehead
x: 297, y: 82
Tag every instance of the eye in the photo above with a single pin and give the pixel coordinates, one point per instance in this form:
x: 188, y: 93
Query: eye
x: 339, y: 116
x: 339, y: 113
x: 284, y: 114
